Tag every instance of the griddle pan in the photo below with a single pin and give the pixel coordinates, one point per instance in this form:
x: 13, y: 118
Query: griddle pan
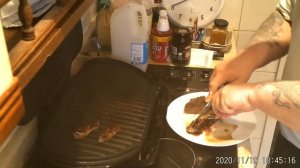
x: 111, y: 92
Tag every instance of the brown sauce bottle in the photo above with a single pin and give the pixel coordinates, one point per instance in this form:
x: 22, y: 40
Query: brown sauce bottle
x: 181, y: 46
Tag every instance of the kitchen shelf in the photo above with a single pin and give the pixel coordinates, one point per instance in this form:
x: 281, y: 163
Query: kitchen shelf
x: 27, y: 57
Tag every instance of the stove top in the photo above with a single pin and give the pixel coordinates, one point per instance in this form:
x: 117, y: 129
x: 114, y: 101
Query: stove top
x: 174, y: 151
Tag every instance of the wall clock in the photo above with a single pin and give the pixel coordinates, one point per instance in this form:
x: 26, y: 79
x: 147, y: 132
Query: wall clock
x: 183, y: 13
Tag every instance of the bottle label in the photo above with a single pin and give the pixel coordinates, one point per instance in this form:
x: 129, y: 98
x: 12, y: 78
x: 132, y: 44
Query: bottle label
x: 139, y: 53
x: 174, y: 50
x: 181, y: 55
x: 160, y: 48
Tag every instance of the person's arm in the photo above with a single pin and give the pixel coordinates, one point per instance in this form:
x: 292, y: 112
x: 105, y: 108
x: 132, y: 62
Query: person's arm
x: 280, y: 100
x: 270, y: 42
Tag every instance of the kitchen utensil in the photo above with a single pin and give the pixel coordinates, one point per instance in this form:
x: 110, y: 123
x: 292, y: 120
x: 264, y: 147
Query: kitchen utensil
x: 204, y: 120
x: 207, y: 112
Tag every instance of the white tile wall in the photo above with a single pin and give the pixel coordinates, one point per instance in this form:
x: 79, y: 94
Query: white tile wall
x: 244, y: 17
x: 232, y: 11
x: 255, y: 145
x: 262, y: 76
x: 244, y: 38
x: 271, y: 67
x: 255, y: 12
x: 260, y: 120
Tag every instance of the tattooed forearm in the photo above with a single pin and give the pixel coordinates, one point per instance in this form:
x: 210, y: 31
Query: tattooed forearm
x: 287, y: 94
x: 277, y: 94
x: 269, y: 31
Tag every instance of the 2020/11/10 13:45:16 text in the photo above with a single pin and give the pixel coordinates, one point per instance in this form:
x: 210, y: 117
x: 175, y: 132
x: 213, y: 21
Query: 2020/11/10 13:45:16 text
x: 254, y: 160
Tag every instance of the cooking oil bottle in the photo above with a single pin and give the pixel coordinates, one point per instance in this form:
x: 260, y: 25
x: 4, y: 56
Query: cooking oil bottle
x: 130, y: 34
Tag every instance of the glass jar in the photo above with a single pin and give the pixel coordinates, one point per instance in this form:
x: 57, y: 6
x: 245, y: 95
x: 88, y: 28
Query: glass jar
x: 219, y: 32
x: 181, y: 46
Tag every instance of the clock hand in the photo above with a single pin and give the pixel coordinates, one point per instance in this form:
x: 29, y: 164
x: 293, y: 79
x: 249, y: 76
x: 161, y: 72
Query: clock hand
x: 172, y: 7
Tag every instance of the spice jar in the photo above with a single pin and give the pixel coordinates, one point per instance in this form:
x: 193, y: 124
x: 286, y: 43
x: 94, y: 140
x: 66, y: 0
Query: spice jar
x: 181, y: 46
x: 219, y: 32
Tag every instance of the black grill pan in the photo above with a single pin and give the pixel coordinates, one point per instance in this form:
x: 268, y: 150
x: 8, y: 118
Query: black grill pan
x: 112, y: 92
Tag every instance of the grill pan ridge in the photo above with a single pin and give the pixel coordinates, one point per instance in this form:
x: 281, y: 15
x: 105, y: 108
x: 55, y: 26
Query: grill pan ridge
x: 105, y: 90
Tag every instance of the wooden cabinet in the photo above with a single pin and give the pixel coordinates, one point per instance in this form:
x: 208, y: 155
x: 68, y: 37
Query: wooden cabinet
x: 29, y: 55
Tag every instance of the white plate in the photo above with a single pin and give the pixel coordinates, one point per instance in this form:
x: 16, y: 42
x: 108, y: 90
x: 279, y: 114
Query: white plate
x: 178, y: 121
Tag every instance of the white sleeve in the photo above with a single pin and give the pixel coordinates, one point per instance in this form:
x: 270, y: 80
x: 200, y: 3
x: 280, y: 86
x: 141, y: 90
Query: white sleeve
x: 286, y: 8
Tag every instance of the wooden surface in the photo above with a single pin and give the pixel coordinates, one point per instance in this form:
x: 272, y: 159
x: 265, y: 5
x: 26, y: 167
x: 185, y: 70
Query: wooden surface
x: 27, y: 57
x: 11, y: 109
x: 25, y: 15
x: 3, y: 2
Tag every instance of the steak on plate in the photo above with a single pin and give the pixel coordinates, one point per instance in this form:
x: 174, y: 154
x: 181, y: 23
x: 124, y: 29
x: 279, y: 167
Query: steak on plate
x: 206, y: 119
x: 195, y: 105
x: 200, y: 124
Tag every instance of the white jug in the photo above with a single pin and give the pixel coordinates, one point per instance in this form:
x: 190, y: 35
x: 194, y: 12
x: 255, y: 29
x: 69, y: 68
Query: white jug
x: 129, y: 34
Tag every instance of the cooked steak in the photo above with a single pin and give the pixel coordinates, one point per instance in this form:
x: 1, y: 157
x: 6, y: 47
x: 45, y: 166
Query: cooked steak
x: 199, y: 125
x: 195, y: 105
x: 85, y: 130
x: 108, y: 134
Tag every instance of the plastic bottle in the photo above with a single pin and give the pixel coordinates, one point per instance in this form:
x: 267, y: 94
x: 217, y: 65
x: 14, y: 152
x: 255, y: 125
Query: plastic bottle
x: 155, y: 10
x: 103, y: 27
x: 149, y: 12
x: 161, y: 37
x: 129, y: 34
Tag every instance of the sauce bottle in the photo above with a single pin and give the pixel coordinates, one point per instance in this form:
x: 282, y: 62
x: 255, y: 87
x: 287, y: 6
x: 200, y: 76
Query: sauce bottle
x: 161, y: 36
x: 181, y: 46
x: 155, y: 10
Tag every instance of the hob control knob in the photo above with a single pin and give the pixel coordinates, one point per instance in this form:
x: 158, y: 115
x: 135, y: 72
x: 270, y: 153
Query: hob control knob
x: 173, y: 73
x: 205, y: 74
x: 189, y: 73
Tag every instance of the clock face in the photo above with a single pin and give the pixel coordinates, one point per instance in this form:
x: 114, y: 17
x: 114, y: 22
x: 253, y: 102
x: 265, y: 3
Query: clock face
x: 184, y: 12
